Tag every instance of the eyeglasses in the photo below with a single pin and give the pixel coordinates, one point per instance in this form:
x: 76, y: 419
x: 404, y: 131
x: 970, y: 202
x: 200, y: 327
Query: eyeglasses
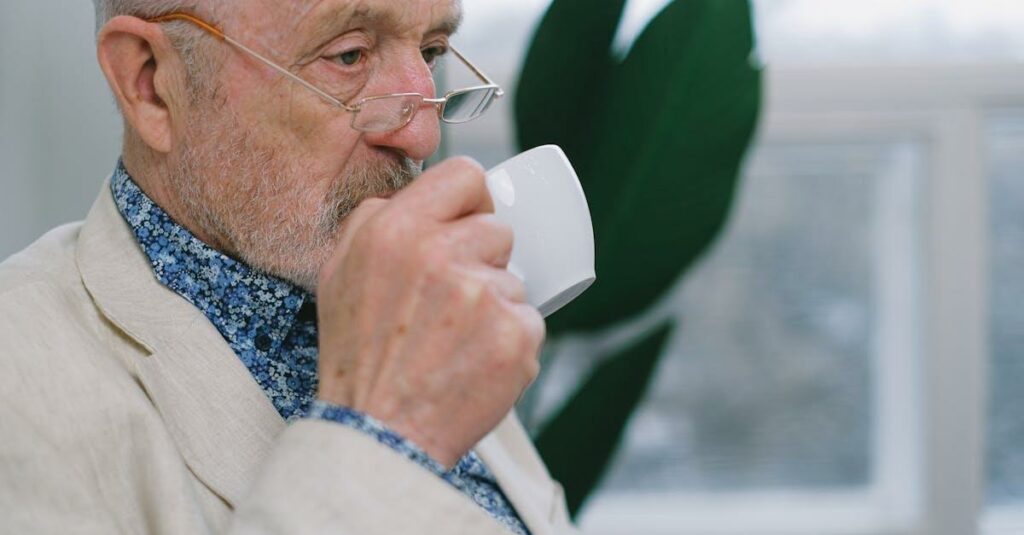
x: 382, y: 113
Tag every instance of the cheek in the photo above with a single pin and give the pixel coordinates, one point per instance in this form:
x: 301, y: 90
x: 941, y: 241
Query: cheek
x: 274, y: 106
x: 311, y: 140
x: 243, y: 89
x: 304, y: 126
x: 325, y: 141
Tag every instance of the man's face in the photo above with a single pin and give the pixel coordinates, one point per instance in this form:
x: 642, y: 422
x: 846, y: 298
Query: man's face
x: 264, y: 167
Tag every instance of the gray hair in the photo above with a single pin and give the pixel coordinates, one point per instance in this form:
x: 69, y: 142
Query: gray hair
x: 108, y: 9
x: 199, y: 63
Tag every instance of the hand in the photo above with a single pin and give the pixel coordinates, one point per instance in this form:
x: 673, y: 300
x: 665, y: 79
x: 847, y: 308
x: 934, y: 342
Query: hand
x: 421, y: 325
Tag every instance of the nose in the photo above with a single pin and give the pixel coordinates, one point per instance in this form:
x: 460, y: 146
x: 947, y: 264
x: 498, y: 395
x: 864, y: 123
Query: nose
x: 418, y: 139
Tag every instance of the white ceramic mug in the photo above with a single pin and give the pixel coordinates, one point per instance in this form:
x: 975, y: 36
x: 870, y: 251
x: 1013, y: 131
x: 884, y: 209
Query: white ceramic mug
x: 538, y: 194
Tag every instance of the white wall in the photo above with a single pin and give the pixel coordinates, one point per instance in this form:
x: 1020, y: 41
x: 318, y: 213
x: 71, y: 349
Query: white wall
x: 59, y: 129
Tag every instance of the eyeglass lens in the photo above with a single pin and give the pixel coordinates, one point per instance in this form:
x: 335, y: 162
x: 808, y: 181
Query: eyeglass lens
x: 389, y: 113
x: 466, y: 105
x: 383, y: 114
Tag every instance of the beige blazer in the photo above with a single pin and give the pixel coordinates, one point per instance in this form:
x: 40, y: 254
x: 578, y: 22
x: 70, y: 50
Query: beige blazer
x: 123, y: 410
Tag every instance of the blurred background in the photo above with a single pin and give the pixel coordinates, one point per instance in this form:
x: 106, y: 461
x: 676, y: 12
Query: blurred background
x: 843, y: 359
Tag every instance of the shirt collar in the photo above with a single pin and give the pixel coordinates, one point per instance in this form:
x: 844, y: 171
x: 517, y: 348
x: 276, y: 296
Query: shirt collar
x: 251, y: 309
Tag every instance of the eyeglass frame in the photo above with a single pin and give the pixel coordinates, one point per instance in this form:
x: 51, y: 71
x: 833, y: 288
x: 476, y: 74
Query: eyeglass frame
x: 354, y: 109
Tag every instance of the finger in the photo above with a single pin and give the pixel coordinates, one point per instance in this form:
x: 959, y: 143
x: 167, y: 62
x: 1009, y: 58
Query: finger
x: 349, y: 227
x: 534, y: 332
x: 534, y: 322
x: 448, y: 191
x: 481, y: 238
x: 506, y: 285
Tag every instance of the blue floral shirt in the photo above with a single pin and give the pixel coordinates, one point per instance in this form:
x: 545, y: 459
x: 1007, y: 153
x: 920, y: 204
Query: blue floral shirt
x: 271, y: 325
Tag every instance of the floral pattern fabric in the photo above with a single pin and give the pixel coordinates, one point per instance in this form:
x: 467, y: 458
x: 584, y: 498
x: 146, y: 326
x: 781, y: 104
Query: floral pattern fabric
x: 271, y: 325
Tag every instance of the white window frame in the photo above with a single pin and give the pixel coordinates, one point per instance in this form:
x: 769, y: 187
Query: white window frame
x: 928, y: 476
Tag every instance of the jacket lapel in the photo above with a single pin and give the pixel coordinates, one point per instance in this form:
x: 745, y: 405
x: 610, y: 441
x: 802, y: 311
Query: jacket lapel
x: 510, y: 455
x: 220, y: 419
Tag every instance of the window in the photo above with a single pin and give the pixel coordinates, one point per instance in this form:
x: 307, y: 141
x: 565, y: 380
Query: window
x: 770, y: 380
x: 1004, y: 135
x: 829, y: 375
x: 790, y: 390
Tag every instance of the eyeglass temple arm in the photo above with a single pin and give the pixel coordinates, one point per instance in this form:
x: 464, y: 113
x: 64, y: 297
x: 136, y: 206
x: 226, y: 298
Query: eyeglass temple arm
x: 476, y: 71
x: 214, y: 31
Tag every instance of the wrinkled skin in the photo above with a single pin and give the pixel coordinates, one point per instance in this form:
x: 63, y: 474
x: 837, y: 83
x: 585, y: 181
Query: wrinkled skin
x: 421, y: 326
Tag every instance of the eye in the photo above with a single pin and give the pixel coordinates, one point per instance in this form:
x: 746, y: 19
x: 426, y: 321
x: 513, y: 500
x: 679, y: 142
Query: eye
x: 349, y: 57
x: 431, y: 53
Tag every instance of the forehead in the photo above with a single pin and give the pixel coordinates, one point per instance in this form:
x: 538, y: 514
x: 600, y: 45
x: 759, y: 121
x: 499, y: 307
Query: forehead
x: 312, y: 19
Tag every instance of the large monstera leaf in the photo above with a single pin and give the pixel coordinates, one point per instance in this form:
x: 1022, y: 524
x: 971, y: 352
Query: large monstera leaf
x: 657, y: 139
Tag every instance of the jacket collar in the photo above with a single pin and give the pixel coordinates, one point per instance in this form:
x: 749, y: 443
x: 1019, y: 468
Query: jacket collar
x: 220, y: 419
x: 256, y: 313
x: 238, y: 299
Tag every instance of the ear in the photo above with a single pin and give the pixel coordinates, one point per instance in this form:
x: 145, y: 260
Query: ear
x: 146, y: 75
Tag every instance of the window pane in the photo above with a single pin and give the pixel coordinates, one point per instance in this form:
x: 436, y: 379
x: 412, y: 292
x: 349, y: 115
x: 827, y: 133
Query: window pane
x: 769, y: 381
x: 883, y: 31
x: 1005, y: 463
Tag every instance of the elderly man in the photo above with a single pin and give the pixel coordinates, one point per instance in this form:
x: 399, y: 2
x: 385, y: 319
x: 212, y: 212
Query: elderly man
x: 264, y: 324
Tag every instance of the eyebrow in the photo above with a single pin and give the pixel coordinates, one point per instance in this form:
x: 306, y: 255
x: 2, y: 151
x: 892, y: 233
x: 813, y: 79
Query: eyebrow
x: 450, y: 24
x: 344, y: 17
x: 452, y: 21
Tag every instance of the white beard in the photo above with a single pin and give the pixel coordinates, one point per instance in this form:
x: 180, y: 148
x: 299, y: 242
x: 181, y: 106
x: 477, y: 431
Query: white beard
x: 243, y: 197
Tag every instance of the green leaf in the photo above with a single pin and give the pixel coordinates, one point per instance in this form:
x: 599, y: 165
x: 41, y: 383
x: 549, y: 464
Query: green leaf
x: 657, y: 140
x: 566, y: 68
x: 578, y: 442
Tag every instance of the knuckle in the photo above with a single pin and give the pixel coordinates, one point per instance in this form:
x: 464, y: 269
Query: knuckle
x: 471, y: 292
x: 498, y: 236
x: 532, y: 369
x: 432, y: 253
x: 534, y: 328
x: 374, y: 226
x: 517, y: 288
x: 387, y: 231
x: 507, y: 288
x: 467, y: 165
x: 366, y: 239
x: 521, y: 331
x: 472, y: 180
x: 499, y: 230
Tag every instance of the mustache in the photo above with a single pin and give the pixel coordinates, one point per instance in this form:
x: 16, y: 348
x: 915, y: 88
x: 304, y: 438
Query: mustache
x: 379, y: 180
